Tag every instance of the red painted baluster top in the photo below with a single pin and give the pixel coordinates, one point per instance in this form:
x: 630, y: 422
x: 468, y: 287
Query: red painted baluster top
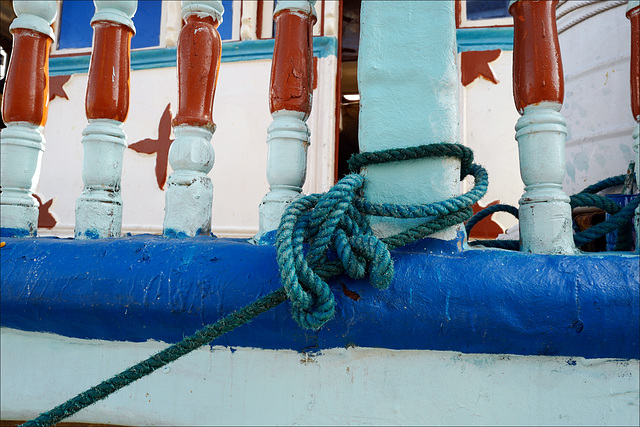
x: 292, y: 67
x: 108, y: 85
x: 26, y: 94
x: 199, y: 52
x: 537, y: 66
x: 634, y: 17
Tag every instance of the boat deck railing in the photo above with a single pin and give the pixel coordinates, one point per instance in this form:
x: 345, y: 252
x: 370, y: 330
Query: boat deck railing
x: 545, y: 212
x: 101, y: 285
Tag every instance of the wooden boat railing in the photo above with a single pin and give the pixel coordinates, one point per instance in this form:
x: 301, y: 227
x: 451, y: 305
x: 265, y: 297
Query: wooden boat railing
x: 545, y: 214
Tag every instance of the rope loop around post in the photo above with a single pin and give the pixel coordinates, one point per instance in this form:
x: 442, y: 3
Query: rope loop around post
x: 336, y: 228
x: 620, y: 216
x: 336, y: 237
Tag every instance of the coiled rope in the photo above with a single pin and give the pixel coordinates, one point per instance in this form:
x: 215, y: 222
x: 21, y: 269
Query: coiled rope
x: 335, y: 227
x: 619, y: 216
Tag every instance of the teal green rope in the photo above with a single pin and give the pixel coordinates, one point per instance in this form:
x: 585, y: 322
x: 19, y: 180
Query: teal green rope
x: 586, y: 198
x: 158, y: 360
x: 489, y: 210
x: 334, y: 225
x: 615, y: 222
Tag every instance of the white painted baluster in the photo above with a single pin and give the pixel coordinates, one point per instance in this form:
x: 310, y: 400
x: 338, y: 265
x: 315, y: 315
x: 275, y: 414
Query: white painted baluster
x: 189, y: 190
x: 99, y: 208
x: 249, y: 20
x: 290, y: 104
x: 538, y: 88
x: 408, y: 97
x: 24, y: 109
x: 633, y: 13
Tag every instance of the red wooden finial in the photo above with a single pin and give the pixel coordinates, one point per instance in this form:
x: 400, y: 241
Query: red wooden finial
x: 537, y: 66
x: 199, y: 51
x: 634, y: 17
x: 292, y: 67
x: 108, y: 85
x: 26, y: 93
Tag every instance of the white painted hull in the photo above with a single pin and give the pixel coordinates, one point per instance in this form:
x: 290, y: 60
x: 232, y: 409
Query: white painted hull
x: 352, y: 386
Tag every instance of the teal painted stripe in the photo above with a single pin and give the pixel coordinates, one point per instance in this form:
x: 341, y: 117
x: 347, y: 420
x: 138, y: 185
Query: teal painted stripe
x: 67, y: 65
x: 477, y: 39
x: 166, y: 57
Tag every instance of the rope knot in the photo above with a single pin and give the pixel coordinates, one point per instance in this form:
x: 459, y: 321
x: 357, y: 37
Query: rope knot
x: 323, y: 235
x: 339, y: 239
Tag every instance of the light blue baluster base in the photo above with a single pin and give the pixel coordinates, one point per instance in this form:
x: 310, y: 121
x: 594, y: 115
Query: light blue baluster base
x: 188, y: 205
x: 21, y: 148
x: 545, y: 213
x: 272, y: 207
x: 99, y: 208
x: 98, y: 214
x: 189, y: 198
x: 288, y: 141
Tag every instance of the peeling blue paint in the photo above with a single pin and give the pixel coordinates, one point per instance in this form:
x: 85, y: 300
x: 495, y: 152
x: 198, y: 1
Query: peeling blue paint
x: 148, y: 287
x: 176, y: 234
x: 14, y: 232
x: 581, y: 161
x: 627, y: 152
x: 90, y: 234
x: 571, y: 171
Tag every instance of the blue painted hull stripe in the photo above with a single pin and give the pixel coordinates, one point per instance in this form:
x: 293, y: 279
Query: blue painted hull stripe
x: 478, y: 301
x: 468, y: 39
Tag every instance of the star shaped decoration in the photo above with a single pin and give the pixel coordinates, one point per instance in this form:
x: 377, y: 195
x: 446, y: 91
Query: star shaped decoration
x: 56, y: 87
x: 158, y: 146
x: 474, y: 64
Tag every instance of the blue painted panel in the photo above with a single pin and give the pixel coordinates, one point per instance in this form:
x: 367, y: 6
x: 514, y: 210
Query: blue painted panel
x: 147, y: 21
x: 226, y: 28
x: 477, y: 301
x: 75, y: 28
x: 76, y: 31
x: 487, y: 9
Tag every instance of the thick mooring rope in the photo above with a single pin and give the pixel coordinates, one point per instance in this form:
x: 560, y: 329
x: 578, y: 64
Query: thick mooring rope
x: 619, y: 218
x: 334, y: 225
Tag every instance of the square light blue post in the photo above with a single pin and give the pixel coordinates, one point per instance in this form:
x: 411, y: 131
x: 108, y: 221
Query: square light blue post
x: 408, y: 81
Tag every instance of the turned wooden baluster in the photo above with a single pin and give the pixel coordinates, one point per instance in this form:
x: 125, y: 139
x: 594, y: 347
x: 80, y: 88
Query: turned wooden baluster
x: 99, y: 208
x: 189, y: 190
x: 24, y: 110
x: 538, y: 89
x: 633, y: 13
x: 290, y: 104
